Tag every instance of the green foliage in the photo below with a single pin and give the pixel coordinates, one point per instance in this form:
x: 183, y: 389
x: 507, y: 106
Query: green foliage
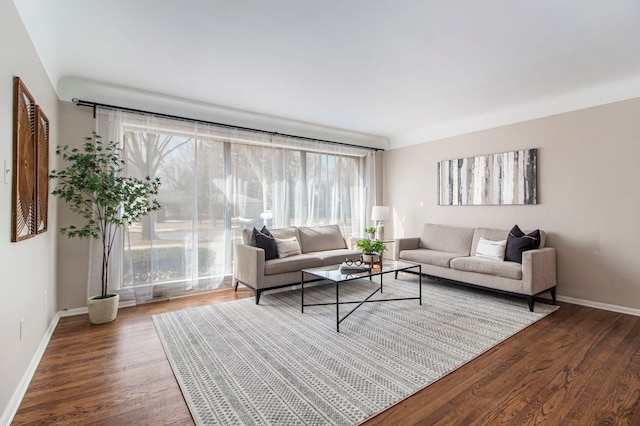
x: 370, y: 230
x: 168, y: 264
x: 94, y: 186
x: 371, y: 246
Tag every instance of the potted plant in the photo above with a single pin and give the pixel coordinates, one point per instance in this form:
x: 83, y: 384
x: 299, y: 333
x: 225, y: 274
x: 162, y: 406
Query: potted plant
x: 372, y: 250
x: 94, y: 186
x: 371, y: 231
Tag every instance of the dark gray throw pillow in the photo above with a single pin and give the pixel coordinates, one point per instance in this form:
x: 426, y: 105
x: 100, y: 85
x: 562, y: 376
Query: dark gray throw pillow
x: 268, y: 244
x: 519, y: 242
x: 252, y: 238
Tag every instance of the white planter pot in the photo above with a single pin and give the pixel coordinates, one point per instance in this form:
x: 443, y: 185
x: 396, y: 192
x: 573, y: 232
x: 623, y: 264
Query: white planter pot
x: 102, y: 311
x: 368, y: 258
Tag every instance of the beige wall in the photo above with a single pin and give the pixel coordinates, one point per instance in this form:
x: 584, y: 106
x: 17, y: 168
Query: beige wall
x: 76, y: 123
x: 588, y: 180
x: 27, y: 282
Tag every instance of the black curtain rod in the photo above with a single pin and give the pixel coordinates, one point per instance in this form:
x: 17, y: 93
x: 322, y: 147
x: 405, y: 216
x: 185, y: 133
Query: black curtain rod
x: 93, y: 105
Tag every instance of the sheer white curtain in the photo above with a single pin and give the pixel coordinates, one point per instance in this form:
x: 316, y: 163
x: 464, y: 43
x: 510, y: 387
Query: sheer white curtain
x: 109, y: 126
x: 217, y: 181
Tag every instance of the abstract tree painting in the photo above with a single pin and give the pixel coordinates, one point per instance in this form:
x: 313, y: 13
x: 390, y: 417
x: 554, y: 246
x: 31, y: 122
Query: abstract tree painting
x: 506, y: 178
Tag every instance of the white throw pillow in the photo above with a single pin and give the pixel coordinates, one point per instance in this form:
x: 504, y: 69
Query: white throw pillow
x: 288, y: 247
x: 488, y: 249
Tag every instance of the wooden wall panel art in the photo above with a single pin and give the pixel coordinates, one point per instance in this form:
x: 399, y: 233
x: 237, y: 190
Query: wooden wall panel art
x: 30, y: 165
x: 42, y: 172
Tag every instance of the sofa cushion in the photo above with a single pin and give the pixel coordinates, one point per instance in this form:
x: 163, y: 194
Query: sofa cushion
x: 254, y: 231
x: 277, y: 233
x: 496, y: 235
x: 481, y: 265
x: 335, y: 257
x: 283, y: 233
x: 489, y: 249
x: 291, y: 264
x: 488, y: 233
x: 288, y: 247
x: 451, y: 239
x: 268, y: 244
x: 430, y: 257
x: 518, y: 242
x: 320, y: 238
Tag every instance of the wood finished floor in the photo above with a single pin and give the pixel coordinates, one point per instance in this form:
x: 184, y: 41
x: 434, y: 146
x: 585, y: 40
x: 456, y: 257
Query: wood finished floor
x: 577, y: 366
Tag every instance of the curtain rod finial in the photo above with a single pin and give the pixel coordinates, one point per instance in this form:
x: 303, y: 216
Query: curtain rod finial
x: 76, y: 101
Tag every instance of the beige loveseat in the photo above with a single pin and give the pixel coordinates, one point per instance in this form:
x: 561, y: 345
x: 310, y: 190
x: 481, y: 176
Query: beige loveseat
x: 319, y: 246
x: 450, y: 252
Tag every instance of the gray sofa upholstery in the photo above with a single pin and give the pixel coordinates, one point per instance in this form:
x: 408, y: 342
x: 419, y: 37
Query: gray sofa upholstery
x: 319, y: 246
x: 449, y: 252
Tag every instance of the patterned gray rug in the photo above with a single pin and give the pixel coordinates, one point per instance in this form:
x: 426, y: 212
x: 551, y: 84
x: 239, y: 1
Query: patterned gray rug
x: 242, y: 363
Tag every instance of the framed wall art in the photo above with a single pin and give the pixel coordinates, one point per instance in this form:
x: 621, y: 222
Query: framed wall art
x: 24, y: 163
x: 506, y: 178
x: 42, y: 171
x: 30, y: 188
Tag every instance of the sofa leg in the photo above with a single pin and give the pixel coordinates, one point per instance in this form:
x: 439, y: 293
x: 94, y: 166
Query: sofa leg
x: 396, y: 277
x: 258, y: 293
x: 530, y: 302
x: 235, y: 281
x: 553, y: 295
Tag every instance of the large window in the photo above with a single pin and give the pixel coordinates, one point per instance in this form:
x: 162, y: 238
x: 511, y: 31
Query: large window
x: 218, y: 181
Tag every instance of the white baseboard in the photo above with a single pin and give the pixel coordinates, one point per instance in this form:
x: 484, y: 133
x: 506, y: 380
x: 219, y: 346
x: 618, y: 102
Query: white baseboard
x: 597, y: 305
x: 18, y: 394
x: 85, y: 310
x: 72, y: 312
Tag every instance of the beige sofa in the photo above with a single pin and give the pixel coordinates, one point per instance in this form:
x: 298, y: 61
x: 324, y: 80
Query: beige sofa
x: 319, y: 246
x: 449, y: 252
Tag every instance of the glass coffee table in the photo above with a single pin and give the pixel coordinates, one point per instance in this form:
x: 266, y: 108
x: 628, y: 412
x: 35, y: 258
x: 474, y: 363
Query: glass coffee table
x: 334, y: 274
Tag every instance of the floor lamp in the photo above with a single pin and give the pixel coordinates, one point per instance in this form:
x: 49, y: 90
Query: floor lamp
x: 379, y: 214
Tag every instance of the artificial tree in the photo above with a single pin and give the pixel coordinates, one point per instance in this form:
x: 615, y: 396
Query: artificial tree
x: 93, y: 185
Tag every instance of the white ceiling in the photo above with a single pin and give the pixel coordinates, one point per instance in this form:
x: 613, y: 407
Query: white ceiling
x: 409, y: 71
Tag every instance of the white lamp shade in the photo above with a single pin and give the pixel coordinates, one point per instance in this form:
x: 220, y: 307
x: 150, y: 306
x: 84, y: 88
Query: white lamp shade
x: 380, y: 213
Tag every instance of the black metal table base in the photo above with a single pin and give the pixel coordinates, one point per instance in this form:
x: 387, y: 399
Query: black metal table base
x: 359, y: 303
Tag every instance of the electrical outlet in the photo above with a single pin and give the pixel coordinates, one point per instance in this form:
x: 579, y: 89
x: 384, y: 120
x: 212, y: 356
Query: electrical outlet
x: 21, y: 327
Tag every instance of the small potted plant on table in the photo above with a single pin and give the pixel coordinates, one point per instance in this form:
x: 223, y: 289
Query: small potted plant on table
x: 372, y: 250
x: 371, y: 231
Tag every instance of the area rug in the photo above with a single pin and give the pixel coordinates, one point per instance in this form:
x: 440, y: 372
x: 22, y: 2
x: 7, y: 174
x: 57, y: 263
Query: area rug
x: 238, y: 363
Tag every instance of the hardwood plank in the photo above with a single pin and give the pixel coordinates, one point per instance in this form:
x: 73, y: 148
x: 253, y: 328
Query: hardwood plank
x: 614, y: 381
x: 577, y: 366
x: 552, y: 375
x: 524, y: 379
